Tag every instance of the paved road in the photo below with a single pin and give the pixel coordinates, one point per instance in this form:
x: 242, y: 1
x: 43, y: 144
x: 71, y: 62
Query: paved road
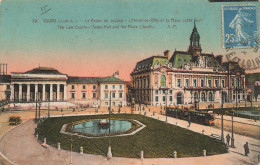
x: 21, y: 146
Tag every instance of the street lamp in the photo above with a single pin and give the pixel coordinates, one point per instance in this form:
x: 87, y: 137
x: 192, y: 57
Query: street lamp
x: 165, y: 90
x: 222, y: 132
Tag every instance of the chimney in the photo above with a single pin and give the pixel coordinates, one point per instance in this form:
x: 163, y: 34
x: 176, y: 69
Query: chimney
x: 219, y: 58
x: 166, y: 54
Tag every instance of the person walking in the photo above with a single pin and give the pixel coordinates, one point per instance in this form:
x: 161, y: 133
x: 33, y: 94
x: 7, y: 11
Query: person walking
x: 246, y: 149
x: 228, y: 139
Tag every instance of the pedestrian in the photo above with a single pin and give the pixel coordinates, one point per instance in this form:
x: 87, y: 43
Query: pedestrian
x: 246, y: 149
x: 228, y: 139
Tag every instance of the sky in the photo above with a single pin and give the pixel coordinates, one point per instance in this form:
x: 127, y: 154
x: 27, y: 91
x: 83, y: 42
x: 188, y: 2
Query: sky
x: 100, y: 52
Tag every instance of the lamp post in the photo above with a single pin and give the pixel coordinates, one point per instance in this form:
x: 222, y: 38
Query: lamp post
x: 222, y: 132
x: 109, y: 153
x: 165, y: 90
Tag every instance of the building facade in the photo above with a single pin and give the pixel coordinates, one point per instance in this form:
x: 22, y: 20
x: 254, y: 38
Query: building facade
x: 49, y: 86
x: 187, y: 77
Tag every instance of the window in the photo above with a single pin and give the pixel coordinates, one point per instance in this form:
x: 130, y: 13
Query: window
x: 195, y: 82
x: 120, y: 95
x: 84, y: 95
x: 156, y: 98
x: 170, y: 98
x: 223, y: 83
x: 186, y: 82
x: 94, y: 95
x: 156, y: 92
x: 163, y: 81
x: 73, y: 95
x: 216, y: 83
x: 163, y: 98
x: 94, y: 86
x: 120, y: 86
x: 72, y: 87
x: 113, y: 86
x: 113, y: 95
x: 106, y: 103
x: 84, y: 87
x: 106, y: 95
x: 202, y: 82
x: 209, y: 83
x: 106, y: 86
x: 179, y: 82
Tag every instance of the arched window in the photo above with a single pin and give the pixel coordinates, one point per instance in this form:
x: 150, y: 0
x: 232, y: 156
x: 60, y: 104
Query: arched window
x: 237, y: 82
x: 202, y: 96
x: 210, y: 96
x: 195, y: 96
x: 163, y: 81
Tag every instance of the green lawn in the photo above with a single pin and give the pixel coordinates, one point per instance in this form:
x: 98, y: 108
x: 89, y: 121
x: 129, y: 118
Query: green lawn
x: 157, y: 139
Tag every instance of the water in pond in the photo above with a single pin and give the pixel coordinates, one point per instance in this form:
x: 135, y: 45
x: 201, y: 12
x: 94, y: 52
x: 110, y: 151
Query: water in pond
x: 92, y: 127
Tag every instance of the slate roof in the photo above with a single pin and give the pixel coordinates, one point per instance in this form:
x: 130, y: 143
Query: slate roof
x: 5, y: 78
x: 43, y: 70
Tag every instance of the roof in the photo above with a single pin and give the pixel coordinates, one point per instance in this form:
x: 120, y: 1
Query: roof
x: 88, y: 80
x: 43, y: 70
x: 94, y: 80
x: 5, y: 78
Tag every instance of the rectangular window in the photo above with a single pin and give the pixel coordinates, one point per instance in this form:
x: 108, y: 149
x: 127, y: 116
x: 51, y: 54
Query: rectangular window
x: 120, y: 95
x: 223, y: 83
x: 94, y: 95
x: 84, y: 87
x: 113, y: 95
x: 216, y: 83
x: 179, y: 82
x: 106, y: 86
x: 106, y: 95
x: 195, y: 82
x: 186, y: 82
x: 94, y: 86
x: 84, y: 95
x: 209, y: 83
x: 114, y: 87
x: 170, y: 98
x: 120, y: 86
x: 156, y: 98
x: 73, y: 95
x: 72, y: 87
x: 202, y: 82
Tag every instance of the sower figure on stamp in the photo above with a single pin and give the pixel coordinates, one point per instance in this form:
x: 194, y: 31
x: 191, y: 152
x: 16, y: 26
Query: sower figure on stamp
x: 246, y: 149
x: 228, y: 139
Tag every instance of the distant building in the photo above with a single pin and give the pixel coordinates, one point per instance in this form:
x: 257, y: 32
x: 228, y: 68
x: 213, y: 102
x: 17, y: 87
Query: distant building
x: 49, y: 86
x: 187, y: 77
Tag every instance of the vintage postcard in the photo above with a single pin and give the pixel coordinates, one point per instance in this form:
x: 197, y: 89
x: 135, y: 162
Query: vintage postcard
x: 129, y: 82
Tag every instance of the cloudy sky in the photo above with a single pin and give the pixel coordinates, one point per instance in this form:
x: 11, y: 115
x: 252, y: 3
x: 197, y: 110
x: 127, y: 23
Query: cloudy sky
x: 99, y: 52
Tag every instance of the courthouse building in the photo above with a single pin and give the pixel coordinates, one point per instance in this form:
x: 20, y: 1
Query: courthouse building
x: 187, y: 77
x: 52, y: 88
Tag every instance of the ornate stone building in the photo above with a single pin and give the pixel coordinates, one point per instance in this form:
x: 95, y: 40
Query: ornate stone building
x: 187, y: 76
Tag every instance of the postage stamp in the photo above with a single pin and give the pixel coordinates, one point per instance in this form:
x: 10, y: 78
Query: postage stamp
x: 239, y: 26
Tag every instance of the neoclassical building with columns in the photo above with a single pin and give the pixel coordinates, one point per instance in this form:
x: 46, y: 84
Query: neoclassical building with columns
x: 52, y: 88
x: 188, y: 77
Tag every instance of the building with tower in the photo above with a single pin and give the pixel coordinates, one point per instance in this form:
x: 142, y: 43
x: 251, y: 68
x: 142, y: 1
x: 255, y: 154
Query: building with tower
x: 187, y: 77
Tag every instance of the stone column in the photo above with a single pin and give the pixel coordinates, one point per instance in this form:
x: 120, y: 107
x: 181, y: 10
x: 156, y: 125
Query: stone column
x: 20, y: 91
x: 51, y: 92
x: 65, y: 92
x: 28, y: 92
x: 43, y: 92
x: 36, y: 91
x: 58, y: 92
x: 12, y: 92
